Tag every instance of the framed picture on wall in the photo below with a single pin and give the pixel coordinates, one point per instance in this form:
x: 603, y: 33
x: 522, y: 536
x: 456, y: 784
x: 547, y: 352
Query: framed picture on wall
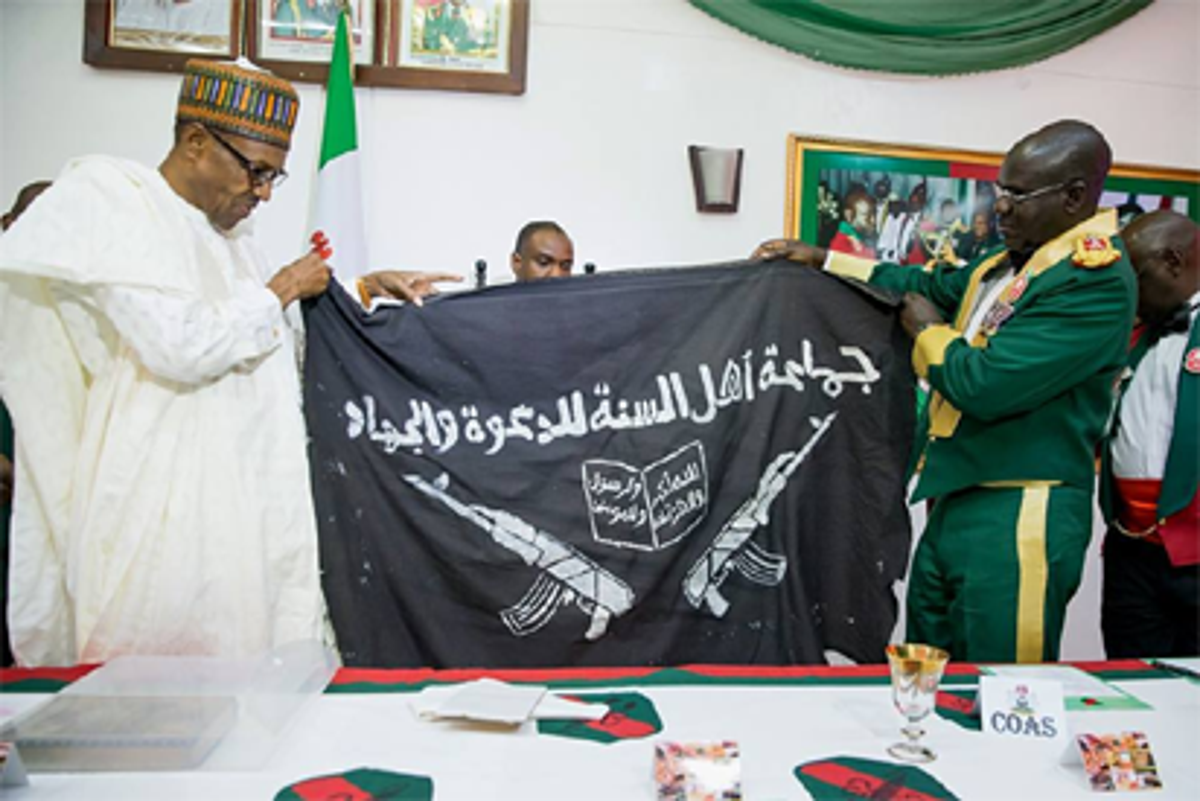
x: 911, y: 204
x: 452, y: 45
x: 160, y: 34
x: 463, y: 45
x: 294, y: 38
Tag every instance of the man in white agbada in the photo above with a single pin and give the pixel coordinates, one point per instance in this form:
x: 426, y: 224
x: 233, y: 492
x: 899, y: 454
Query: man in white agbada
x: 147, y: 356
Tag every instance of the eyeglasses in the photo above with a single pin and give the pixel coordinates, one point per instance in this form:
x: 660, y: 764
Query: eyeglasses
x: 259, y: 175
x: 1017, y: 198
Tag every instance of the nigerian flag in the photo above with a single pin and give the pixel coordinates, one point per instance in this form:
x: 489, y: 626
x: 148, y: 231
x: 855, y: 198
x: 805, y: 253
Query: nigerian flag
x: 337, y: 228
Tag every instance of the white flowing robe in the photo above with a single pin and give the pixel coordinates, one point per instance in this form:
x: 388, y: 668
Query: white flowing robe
x: 162, y: 492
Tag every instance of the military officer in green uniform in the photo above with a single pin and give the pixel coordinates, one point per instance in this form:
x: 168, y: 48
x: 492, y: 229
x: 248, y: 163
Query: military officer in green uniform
x: 434, y: 27
x: 1021, y: 349
x: 1150, y: 481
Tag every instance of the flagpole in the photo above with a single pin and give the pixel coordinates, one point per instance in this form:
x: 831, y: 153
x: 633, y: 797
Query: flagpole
x: 337, y: 228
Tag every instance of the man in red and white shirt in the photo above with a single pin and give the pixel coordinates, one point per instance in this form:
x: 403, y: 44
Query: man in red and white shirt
x: 1151, y: 595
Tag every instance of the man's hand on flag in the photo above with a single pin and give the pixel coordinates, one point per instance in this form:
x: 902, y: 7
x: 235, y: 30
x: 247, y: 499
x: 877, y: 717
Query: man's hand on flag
x: 406, y: 285
x: 792, y: 249
x: 306, y: 277
x: 918, y: 313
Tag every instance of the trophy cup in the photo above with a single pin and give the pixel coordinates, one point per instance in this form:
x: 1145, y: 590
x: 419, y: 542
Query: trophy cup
x: 916, y: 672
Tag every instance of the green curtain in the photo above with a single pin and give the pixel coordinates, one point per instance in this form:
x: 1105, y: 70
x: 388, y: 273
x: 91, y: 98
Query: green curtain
x: 926, y: 37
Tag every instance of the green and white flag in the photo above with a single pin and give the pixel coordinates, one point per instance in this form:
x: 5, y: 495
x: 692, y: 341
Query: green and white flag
x: 337, y: 228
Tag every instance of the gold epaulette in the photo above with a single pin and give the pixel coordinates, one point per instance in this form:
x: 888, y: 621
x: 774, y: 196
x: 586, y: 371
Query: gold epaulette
x: 1092, y: 251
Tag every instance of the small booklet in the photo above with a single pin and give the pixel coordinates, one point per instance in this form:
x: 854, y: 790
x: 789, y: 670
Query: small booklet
x: 491, y: 701
x: 1119, y: 761
x: 484, y: 700
x: 698, y: 771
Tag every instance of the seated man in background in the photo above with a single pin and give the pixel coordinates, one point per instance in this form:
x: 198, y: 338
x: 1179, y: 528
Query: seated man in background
x: 543, y: 250
x: 1021, y: 349
x: 147, y: 356
x: 1151, y: 593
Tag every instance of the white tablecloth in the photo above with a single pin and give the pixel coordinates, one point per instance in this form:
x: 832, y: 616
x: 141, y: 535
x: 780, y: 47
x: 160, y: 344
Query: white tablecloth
x: 778, y: 728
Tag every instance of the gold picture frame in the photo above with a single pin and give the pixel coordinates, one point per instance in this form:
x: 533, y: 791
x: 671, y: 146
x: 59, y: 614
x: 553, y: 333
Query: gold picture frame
x: 906, y: 203
x: 295, y: 40
x: 481, y: 45
x: 459, y: 45
x: 151, y: 35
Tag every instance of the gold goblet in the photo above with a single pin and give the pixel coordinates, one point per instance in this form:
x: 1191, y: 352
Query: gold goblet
x: 916, y: 672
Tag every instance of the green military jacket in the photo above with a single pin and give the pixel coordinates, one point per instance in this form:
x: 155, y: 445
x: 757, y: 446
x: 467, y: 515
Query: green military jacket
x: 1026, y: 400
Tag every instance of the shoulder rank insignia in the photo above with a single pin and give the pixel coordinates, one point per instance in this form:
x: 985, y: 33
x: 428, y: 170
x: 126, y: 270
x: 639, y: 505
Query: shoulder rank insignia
x: 1094, y: 251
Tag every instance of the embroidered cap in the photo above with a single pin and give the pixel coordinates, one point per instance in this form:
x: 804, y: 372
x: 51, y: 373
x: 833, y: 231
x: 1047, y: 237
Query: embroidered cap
x: 240, y: 98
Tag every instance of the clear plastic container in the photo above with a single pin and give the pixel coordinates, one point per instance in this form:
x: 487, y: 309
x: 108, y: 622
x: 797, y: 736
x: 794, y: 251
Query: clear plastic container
x: 153, y: 713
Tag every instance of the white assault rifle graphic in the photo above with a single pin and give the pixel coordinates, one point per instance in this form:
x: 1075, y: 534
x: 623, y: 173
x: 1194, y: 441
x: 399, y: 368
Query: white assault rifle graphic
x: 566, y: 574
x: 732, y: 548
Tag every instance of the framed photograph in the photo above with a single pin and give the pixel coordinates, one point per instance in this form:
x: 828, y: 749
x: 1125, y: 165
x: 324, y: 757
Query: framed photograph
x: 160, y: 34
x: 294, y: 38
x: 911, y: 204
x: 463, y: 45
x: 453, y: 45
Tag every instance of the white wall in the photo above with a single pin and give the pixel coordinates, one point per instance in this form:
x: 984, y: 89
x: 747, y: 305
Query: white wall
x: 616, y: 91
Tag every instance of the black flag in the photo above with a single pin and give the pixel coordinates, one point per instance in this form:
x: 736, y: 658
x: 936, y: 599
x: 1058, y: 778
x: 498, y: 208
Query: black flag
x: 645, y: 468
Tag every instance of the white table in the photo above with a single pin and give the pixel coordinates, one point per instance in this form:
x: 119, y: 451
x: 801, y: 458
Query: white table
x: 778, y: 726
